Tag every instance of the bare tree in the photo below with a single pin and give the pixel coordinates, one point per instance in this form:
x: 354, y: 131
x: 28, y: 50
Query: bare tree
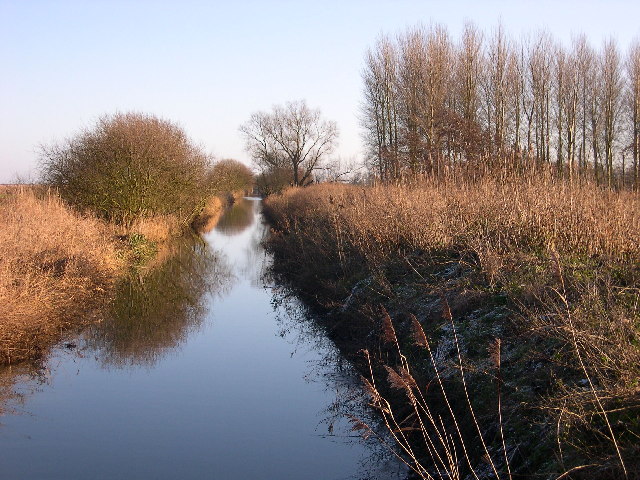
x: 612, y: 85
x: 540, y: 63
x: 468, y: 71
x: 585, y: 64
x: 340, y: 170
x: 560, y: 107
x: 379, y: 110
x: 569, y: 97
x: 527, y: 92
x: 292, y: 136
x: 412, y: 95
x: 429, y: 104
x: 633, y: 74
x: 425, y: 74
x: 495, y: 87
x: 515, y: 89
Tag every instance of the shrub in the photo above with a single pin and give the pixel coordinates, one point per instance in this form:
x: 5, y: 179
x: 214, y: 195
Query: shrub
x: 273, y: 181
x: 228, y: 176
x: 129, y: 166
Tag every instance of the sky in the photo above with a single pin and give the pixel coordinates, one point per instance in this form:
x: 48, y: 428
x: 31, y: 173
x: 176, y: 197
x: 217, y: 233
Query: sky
x: 208, y: 65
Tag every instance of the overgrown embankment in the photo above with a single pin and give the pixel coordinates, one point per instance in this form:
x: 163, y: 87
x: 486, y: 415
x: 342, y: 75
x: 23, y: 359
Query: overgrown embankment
x: 59, y: 268
x: 512, y: 335
x: 56, y: 270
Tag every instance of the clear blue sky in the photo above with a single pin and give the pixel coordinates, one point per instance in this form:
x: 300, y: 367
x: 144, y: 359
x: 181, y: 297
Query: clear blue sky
x: 208, y: 65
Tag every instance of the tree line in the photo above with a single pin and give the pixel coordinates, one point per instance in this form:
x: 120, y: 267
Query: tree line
x: 488, y: 101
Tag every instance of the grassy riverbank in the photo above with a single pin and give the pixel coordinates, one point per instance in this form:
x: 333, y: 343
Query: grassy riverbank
x: 527, y: 291
x: 58, y: 268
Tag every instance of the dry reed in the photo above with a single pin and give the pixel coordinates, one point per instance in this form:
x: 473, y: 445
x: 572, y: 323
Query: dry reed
x: 55, y: 266
x: 565, y: 255
x: 487, y: 216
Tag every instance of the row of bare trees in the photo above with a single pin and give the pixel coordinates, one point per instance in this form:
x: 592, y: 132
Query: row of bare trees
x: 489, y: 101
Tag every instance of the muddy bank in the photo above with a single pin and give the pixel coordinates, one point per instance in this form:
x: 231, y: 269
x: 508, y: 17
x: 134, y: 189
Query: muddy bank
x: 357, y: 317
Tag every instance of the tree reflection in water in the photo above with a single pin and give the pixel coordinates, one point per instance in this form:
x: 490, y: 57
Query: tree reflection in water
x: 17, y: 383
x: 155, y: 311
x: 238, y: 218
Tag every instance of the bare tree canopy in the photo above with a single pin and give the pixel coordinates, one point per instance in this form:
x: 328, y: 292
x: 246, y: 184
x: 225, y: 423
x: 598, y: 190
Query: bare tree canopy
x: 487, y: 102
x: 292, y: 136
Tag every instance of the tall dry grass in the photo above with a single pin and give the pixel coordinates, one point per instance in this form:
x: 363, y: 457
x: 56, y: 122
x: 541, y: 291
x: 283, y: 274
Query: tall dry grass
x: 487, y: 216
x: 56, y: 267
x: 566, y: 256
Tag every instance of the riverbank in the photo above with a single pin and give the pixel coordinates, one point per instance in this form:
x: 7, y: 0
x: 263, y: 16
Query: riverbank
x: 511, y: 304
x: 58, y: 269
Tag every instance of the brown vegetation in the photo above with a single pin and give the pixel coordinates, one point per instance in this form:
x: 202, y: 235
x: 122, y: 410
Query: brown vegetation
x: 564, y: 259
x: 487, y: 217
x: 211, y: 213
x: 56, y: 269
x: 229, y: 176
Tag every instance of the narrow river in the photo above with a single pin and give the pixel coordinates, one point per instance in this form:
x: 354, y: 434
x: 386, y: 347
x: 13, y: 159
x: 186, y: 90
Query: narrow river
x: 205, y: 370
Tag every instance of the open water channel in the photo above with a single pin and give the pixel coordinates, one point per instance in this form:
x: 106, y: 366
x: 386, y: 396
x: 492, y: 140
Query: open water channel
x: 206, y: 369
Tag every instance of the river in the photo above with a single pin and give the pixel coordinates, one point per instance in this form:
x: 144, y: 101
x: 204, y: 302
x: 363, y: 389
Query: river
x: 205, y: 369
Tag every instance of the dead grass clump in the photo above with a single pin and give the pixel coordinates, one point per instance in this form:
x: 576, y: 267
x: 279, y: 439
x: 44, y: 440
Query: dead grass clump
x: 56, y: 266
x: 156, y: 229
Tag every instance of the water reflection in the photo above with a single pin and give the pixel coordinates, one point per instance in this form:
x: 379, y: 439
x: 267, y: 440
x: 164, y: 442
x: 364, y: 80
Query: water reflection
x: 339, y: 381
x: 16, y: 385
x: 237, y: 218
x: 155, y: 311
x: 247, y: 394
x: 241, y: 244
x: 325, y: 368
